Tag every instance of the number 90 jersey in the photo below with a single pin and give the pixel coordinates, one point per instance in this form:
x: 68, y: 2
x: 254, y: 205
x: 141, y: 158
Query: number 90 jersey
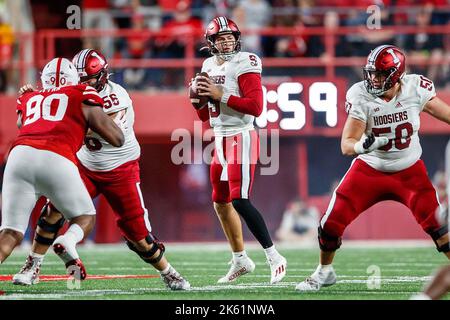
x: 224, y: 120
x: 398, y: 120
x: 97, y: 154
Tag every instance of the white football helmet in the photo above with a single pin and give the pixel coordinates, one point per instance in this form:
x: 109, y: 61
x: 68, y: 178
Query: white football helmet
x: 59, y: 72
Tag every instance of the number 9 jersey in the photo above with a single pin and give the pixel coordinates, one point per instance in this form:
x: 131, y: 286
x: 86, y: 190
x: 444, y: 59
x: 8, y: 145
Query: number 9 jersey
x: 225, y: 120
x: 397, y: 119
x: 97, y: 154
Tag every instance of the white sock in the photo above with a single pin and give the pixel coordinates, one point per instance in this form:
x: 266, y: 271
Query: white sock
x: 74, y: 234
x: 166, y: 270
x: 271, y: 252
x: 420, y: 296
x: 37, y: 256
x: 239, y: 255
x: 324, y: 267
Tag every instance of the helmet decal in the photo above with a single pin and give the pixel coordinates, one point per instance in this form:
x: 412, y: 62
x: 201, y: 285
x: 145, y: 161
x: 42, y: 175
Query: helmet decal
x: 385, y: 67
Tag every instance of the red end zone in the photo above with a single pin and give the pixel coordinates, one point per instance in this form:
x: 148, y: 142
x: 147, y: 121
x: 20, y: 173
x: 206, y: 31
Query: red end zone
x: 89, y: 277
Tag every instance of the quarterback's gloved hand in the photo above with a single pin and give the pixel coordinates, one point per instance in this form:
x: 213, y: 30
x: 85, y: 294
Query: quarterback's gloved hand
x: 370, y: 143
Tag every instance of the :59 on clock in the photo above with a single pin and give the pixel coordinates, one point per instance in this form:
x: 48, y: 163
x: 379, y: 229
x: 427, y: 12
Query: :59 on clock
x: 290, y: 110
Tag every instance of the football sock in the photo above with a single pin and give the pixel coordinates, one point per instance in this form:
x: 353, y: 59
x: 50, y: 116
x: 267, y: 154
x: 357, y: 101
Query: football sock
x: 74, y: 234
x: 239, y: 255
x: 254, y: 221
x: 166, y: 270
x: 421, y: 296
x: 37, y: 256
x: 271, y: 253
x: 325, y: 267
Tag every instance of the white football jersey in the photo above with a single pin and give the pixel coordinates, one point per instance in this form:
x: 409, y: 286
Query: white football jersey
x: 397, y: 120
x: 225, y: 120
x: 101, y: 156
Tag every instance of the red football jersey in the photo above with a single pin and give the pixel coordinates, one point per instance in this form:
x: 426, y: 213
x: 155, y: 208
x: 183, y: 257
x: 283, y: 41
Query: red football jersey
x: 53, y: 119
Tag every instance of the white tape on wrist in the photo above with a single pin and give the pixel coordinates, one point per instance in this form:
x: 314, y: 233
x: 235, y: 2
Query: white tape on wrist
x: 358, y: 147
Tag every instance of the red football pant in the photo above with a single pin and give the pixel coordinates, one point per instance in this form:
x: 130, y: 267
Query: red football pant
x: 121, y: 188
x: 233, y: 166
x: 362, y: 187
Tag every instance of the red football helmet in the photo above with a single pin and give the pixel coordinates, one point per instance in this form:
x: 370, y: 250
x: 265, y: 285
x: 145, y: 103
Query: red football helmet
x: 91, y: 64
x: 385, y: 67
x: 219, y: 26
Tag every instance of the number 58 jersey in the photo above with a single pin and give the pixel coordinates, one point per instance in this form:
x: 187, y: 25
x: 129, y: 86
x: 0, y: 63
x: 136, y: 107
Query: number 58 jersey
x: 397, y: 119
x: 97, y: 154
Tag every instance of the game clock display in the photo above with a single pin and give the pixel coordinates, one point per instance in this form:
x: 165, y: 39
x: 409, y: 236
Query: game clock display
x: 304, y: 106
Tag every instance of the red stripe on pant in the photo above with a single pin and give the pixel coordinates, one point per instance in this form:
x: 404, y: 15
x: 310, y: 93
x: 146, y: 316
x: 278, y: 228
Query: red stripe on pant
x: 241, y: 153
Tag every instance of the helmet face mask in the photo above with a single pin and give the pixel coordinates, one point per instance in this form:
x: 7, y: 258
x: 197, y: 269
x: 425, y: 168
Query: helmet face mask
x: 385, y: 67
x: 218, y: 40
x: 100, y: 80
x: 92, y: 65
x: 378, y: 82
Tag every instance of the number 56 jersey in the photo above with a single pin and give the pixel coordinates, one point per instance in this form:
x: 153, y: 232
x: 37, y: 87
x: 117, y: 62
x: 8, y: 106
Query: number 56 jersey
x: 397, y: 119
x: 97, y: 154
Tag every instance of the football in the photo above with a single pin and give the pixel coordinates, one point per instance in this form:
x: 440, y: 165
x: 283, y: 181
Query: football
x: 196, y: 100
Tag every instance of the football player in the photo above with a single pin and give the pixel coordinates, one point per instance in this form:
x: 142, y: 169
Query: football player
x: 113, y: 172
x: 236, y: 98
x: 382, y: 132
x: 52, y: 124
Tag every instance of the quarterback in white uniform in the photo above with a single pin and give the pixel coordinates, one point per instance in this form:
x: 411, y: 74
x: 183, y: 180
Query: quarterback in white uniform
x: 235, y: 92
x: 382, y: 131
x: 113, y: 172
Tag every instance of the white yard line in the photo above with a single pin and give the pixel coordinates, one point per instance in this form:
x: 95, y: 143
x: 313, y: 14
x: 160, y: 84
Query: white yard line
x: 248, y: 287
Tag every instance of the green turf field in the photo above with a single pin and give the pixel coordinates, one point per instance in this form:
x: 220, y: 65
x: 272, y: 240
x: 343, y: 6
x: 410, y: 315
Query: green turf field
x: 403, y: 273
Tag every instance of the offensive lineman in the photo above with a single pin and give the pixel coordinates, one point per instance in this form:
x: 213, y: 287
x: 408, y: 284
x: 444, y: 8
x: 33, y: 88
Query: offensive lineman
x: 235, y: 93
x: 382, y: 130
x: 113, y: 172
x: 52, y: 124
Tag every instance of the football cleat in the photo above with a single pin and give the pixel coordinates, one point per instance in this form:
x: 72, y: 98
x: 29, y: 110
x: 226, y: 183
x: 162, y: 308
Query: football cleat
x: 69, y: 256
x: 29, y: 274
x: 317, y: 280
x: 174, y: 281
x: 238, y: 268
x: 277, y: 269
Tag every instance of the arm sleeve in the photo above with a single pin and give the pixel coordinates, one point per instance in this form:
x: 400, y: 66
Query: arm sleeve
x: 91, y: 97
x: 425, y: 90
x: 251, y: 101
x: 354, y: 105
x: 203, y: 113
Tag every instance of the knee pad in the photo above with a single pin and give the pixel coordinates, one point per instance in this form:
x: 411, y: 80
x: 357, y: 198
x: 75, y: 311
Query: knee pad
x: 435, y: 235
x: 146, y: 256
x: 328, y: 242
x: 50, y: 228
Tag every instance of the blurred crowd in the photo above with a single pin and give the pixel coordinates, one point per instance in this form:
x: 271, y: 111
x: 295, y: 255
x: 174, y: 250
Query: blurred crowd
x: 175, y: 17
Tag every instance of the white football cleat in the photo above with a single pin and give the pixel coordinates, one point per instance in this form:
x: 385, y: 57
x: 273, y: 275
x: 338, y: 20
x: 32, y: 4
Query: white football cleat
x: 29, y: 274
x: 238, y: 268
x: 68, y: 254
x: 277, y: 269
x: 174, y: 280
x: 317, y: 280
